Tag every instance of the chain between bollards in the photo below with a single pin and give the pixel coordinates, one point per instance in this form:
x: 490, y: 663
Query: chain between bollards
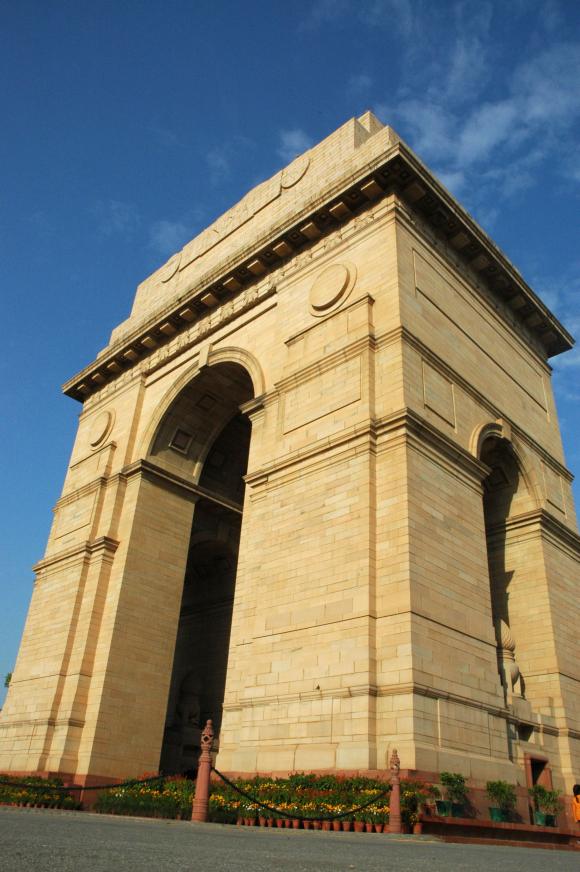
x: 294, y: 815
x: 200, y: 812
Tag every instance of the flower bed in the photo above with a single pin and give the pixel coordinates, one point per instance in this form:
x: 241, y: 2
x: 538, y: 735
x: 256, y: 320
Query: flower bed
x: 163, y: 798
x: 316, y: 798
x: 37, y: 792
x: 299, y: 796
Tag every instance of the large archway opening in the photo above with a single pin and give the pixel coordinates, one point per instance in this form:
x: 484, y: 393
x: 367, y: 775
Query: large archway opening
x: 205, y: 438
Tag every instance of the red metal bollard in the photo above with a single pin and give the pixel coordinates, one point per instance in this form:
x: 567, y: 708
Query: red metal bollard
x: 201, y: 799
x: 395, y: 802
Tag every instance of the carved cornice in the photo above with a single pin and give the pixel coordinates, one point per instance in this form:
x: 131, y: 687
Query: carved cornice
x: 396, y: 171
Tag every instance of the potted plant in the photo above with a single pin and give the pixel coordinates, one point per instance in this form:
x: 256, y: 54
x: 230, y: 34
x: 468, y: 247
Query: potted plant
x: 414, y: 795
x: 503, y: 796
x: 347, y: 822
x: 546, y: 805
x: 455, y: 795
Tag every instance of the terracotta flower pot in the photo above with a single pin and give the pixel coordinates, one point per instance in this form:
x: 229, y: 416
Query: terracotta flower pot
x: 417, y: 828
x: 347, y: 826
x: 379, y: 828
x: 336, y: 826
x: 316, y: 825
x: 307, y: 824
x: 280, y: 823
x: 295, y: 824
x: 270, y: 822
x: 359, y: 826
x: 326, y: 826
x: 262, y: 821
x: 368, y: 827
x: 251, y: 822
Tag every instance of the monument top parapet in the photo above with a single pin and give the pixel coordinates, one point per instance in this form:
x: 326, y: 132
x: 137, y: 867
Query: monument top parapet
x: 360, y: 163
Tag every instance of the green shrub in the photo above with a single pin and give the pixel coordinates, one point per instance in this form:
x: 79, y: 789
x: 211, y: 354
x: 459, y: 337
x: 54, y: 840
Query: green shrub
x: 32, y: 790
x: 300, y: 795
x: 455, y: 787
x: 502, y: 794
x: 545, y: 800
x: 163, y: 798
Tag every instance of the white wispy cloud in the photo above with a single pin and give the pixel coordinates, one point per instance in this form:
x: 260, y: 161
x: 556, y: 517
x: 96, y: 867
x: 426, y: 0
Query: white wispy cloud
x: 498, y: 142
x: 219, y: 163
x: 398, y: 14
x: 166, y: 236
x: 402, y: 16
x: 465, y: 69
x: 454, y: 180
x: 292, y: 143
x: 560, y: 291
x: 224, y: 157
x: 359, y: 83
x: 550, y: 15
x: 116, y: 218
x: 324, y: 11
x: 166, y: 137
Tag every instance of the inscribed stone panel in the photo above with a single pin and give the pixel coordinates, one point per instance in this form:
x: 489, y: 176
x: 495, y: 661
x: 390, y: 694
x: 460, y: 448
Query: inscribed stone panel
x: 438, y: 394
x: 75, y: 515
x: 88, y: 468
x: 476, y: 326
x: 332, y: 390
x: 553, y: 488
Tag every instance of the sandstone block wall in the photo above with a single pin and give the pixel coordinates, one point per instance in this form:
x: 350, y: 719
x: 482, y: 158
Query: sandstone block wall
x: 373, y: 359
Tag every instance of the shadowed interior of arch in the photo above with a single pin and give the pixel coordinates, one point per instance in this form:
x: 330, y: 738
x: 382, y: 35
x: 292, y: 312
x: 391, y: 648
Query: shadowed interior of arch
x: 205, y: 439
x: 506, y: 496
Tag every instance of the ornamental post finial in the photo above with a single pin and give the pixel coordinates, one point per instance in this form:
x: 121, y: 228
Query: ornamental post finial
x: 201, y: 799
x: 395, y: 801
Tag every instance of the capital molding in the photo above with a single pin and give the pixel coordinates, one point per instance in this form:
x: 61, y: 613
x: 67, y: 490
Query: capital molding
x: 167, y: 478
x: 103, y: 545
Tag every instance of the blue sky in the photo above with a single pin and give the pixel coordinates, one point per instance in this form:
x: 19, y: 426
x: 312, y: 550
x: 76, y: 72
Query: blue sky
x: 128, y: 127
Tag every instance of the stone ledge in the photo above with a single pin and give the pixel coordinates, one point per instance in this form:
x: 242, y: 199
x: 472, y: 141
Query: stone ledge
x: 489, y: 832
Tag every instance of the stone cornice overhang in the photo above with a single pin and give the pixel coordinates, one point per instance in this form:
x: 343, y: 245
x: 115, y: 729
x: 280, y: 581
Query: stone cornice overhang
x: 538, y: 521
x: 397, y: 171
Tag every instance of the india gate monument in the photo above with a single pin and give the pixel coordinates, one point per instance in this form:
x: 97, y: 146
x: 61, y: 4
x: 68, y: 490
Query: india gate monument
x: 318, y: 494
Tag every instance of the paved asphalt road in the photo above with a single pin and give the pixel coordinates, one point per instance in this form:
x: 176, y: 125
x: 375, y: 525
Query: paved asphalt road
x: 37, y: 840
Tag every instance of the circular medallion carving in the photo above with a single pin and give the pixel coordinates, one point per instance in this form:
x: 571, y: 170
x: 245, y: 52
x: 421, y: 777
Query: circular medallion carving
x: 100, y: 428
x: 294, y: 171
x: 331, y: 287
x: 169, y: 269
